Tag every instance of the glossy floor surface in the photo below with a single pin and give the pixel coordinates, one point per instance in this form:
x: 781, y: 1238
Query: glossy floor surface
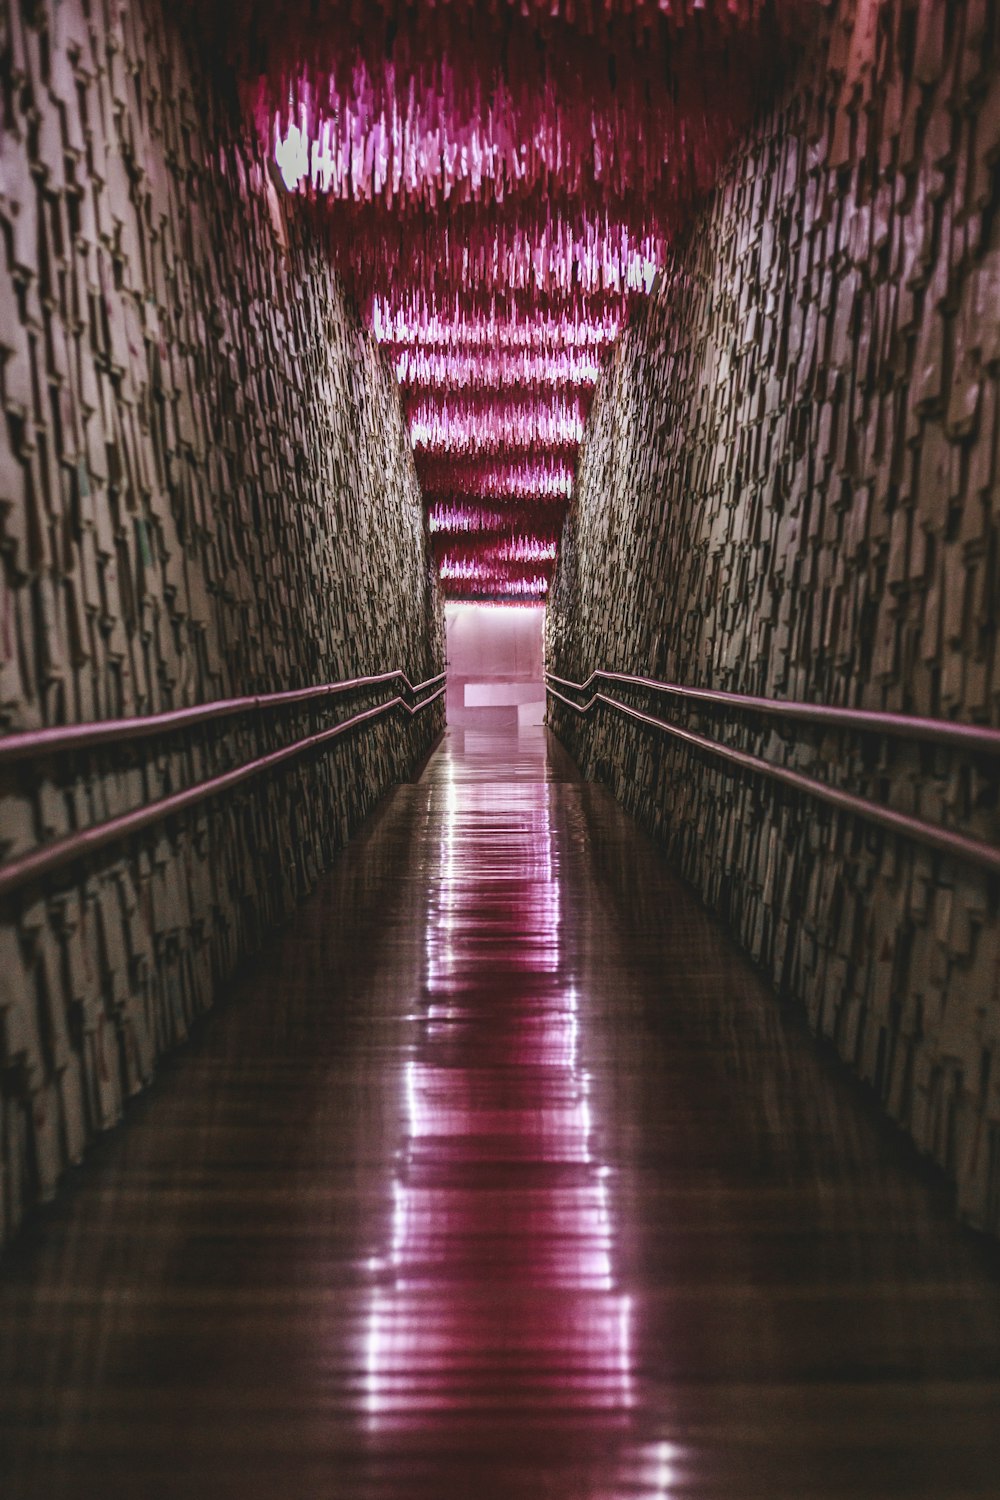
x: 500, y: 1176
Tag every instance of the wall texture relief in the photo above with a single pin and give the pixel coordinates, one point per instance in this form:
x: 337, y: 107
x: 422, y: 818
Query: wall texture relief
x: 206, y: 489
x: 788, y: 486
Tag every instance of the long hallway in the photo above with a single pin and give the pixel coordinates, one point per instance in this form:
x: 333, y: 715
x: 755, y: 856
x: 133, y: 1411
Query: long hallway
x: 500, y: 1174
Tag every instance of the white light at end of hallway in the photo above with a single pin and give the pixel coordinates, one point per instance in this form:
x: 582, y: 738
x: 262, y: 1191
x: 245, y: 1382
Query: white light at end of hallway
x: 292, y: 155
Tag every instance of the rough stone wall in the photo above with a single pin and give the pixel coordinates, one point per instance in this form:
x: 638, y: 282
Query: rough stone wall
x: 206, y: 489
x: 789, y: 486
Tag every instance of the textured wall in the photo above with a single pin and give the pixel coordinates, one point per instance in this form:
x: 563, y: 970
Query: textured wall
x: 205, y: 489
x: 789, y: 486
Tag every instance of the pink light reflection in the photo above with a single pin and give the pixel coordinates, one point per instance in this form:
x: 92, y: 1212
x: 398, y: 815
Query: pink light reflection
x: 517, y: 480
x: 450, y: 370
x: 485, y: 572
x: 459, y: 519
x: 522, y: 549
x: 422, y: 327
x: 457, y: 426
x: 484, y: 579
x: 499, y: 1286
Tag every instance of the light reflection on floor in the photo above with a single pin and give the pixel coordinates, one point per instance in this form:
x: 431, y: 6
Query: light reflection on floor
x: 502, y: 1177
x: 499, y: 1289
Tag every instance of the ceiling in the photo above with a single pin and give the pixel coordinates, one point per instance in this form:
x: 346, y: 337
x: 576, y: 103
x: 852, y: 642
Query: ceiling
x: 499, y: 184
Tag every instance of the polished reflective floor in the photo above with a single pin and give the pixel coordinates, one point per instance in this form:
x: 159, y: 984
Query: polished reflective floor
x: 501, y: 1175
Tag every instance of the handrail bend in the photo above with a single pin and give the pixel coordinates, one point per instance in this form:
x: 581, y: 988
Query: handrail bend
x: 65, y: 851
x: 901, y: 726
x: 976, y: 851
x: 65, y: 737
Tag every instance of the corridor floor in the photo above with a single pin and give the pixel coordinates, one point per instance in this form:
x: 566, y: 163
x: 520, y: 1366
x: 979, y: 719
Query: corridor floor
x: 499, y: 1175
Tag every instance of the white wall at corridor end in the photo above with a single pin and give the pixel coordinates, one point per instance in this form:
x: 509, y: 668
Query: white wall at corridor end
x: 495, y: 665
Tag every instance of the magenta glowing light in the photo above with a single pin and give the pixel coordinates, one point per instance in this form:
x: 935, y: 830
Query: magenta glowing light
x: 545, y: 1316
x: 460, y: 370
x: 488, y: 584
x: 418, y: 327
x: 464, y: 518
x: 461, y: 569
x: 458, y: 518
x: 499, y: 186
x: 485, y: 568
x: 519, y: 479
x: 521, y: 549
x: 495, y: 427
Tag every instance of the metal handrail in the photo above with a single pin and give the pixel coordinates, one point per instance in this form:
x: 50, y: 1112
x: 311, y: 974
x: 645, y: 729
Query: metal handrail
x: 63, y: 737
x: 65, y: 851
x: 901, y: 726
x: 976, y: 851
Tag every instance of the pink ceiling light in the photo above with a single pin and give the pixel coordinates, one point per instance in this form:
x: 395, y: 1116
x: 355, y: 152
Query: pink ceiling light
x: 498, y: 183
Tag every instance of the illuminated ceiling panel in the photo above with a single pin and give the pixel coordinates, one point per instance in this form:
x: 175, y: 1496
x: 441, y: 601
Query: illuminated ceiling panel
x: 499, y: 184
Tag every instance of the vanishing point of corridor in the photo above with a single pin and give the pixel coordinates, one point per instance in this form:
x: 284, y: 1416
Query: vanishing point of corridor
x: 501, y: 1175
